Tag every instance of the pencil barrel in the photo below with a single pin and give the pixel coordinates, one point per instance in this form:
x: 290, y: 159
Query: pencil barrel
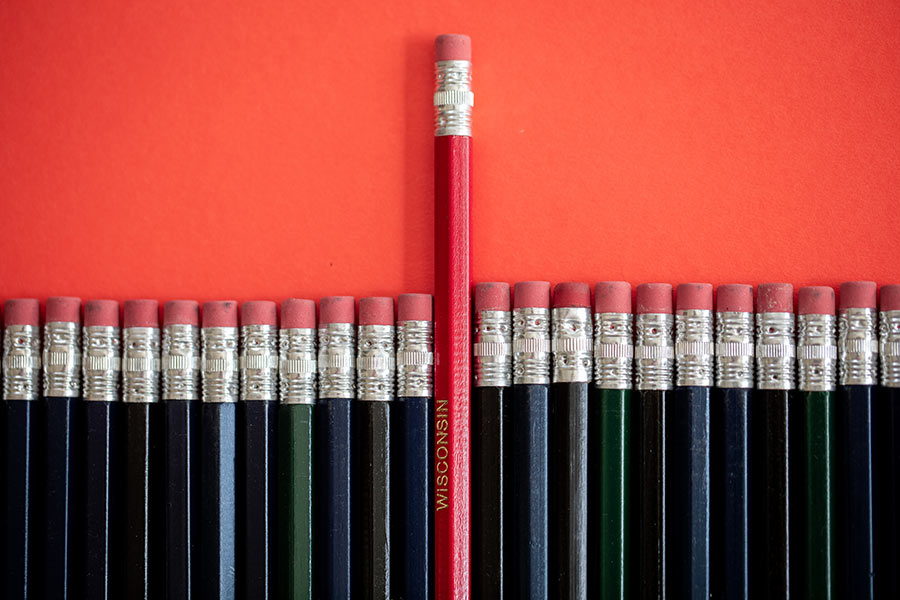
x: 218, y: 499
x: 296, y: 441
x: 182, y: 498
x: 818, y: 542
x: 651, y: 477
x: 19, y: 418
x: 372, y: 421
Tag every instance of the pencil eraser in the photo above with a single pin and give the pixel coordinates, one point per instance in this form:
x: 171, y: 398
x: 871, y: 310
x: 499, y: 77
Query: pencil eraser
x: 221, y: 313
x: 181, y: 312
x: 890, y: 297
x: 858, y: 294
x: 653, y: 298
x: 572, y: 294
x: 337, y: 309
x: 531, y: 294
x: 775, y: 298
x: 694, y: 296
x: 297, y: 313
x: 22, y: 311
x: 491, y: 296
x: 376, y: 310
x: 453, y: 46
x: 612, y: 297
x: 815, y: 300
x: 259, y: 312
x: 140, y: 313
x: 101, y: 313
x: 414, y: 307
x: 62, y: 309
x: 734, y: 297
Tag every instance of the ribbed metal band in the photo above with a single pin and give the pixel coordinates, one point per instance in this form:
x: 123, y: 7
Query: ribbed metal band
x: 613, y: 350
x: 21, y: 362
x: 775, y: 352
x: 572, y: 345
x: 219, y: 364
x: 337, y: 360
x: 376, y: 366
x: 259, y: 362
x: 531, y: 346
x: 734, y: 350
x: 101, y: 363
x: 453, y: 98
x: 694, y: 348
x: 140, y: 364
x: 816, y: 353
x: 492, y: 349
x: 62, y: 360
x: 415, y: 359
x: 654, y: 351
x: 181, y: 362
x: 857, y: 346
x: 297, y: 366
x: 889, y: 336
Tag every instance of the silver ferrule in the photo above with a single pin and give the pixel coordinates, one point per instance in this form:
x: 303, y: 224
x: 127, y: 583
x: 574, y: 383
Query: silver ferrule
x: 857, y: 346
x: 101, y: 363
x: 493, y: 348
x: 816, y: 353
x: 613, y: 350
x: 694, y: 348
x: 775, y: 351
x: 337, y: 360
x: 21, y: 362
x: 889, y: 336
x: 572, y: 345
x: 415, y: 359
x: 453, y: 97
x: 654, y: 351
x: 531, y: 346
x: 62, y: 359
x: 140, y: 364
x: 734, y: 350
x: 297, y: 365
x: 259, y: 362
x: 219, y: 364
x: 181, y: 362
x: 376, y: 366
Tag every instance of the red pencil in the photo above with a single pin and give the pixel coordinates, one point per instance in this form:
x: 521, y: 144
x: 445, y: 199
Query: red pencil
x: 453, y: 101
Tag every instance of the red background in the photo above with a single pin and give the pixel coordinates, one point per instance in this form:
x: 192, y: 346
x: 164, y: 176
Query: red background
x: 270, y: 148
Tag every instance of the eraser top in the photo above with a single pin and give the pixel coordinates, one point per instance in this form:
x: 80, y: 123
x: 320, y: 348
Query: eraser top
x: 531, y: 294
x: 297, y: 313
x: 815, y: 300
x: 694, y: 296
x: 654, y: 298
x: 612, y: 297
x: 221, y: 313
x: 337, y: 309
x: 414, y: 307
x: 775, y: 298
x: 452, y: 46
x: 376, y: 310
x: 492, y: 296
x: 858, y: 294
x: 22, y: 311
x: 61, y: 309
x: 101, y: 313
x: 140, y: 313
x: 572, y: 294
x: 181, y: 312
x: 259, y: 312
x: 734, y: 297
x: 890, y: 297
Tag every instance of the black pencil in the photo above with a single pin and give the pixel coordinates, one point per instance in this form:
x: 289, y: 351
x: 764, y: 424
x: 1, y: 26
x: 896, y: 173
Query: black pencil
x: 887, y: 448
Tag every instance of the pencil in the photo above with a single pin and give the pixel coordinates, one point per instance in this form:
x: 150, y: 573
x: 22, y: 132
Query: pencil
x: 887, y: 448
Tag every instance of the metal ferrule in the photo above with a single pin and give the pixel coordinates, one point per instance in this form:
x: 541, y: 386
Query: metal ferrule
x: 857, y: 347
x: 337, y: 360
x: 613, y: 350
x: 531, y: 346
x: 453, y: 97
x: 140, y: 364
x: 889, y: 335
x: 376, y: 367
x: 219, y: 364
x: 816, y: 353
x: 297, y: 366
x: 694, y: 348
x: 775, y: 351
x: 21, y: 362
x: 654, y: 351
x: 572, y: 345
x: 734, y: 350
x: 493, y: 348
x: 415, y: 359
x: 62, y: 360
x: 181, y: 362
x: 259, y: 362
x: 101, y: 363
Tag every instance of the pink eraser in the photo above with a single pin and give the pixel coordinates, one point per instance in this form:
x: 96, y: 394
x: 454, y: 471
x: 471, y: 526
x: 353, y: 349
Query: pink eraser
x: 297, y: 313
x: 101, y: 313
x: 858, y: 294
x: 259, y: 312
x: 414, y: 307
x: 453, y: 46
x: 815, y: 300
x: 654, y: 298
x: 221, y: 313
x: 491, y: 296
x: 612, y: 297
x: 376, y: 310
x: 62, y: 309
x: 694, y: 296
x: 890, y: 297
x: 775, y: 298
x: 734, y: 297
x: 181, y: 312
x: 572, y: 294
x: 531, y: 294
x: 337, y: 309
x: 141, y: 313
x: 22, y: 311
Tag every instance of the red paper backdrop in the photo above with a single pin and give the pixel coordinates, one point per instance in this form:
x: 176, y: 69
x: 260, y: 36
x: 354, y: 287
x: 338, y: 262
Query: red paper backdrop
x: 267, y: 149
